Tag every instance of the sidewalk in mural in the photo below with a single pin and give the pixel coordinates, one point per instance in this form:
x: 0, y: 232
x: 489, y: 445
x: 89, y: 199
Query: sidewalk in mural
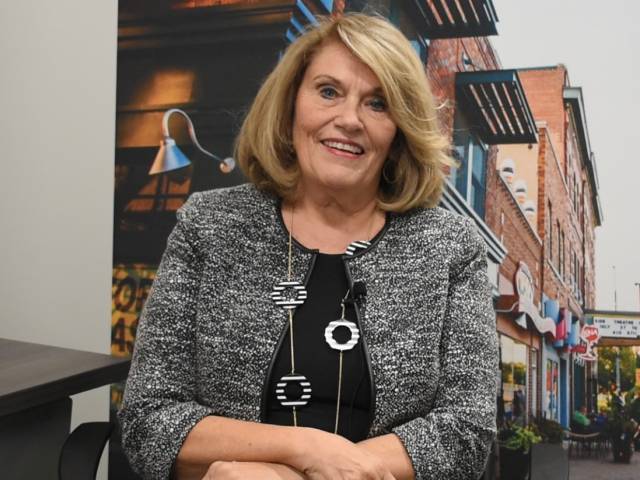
x: 604, y: 469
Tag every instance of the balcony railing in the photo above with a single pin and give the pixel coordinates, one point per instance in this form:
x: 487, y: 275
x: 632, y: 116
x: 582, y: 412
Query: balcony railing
x: 454, y: 18
x: 495, y: 102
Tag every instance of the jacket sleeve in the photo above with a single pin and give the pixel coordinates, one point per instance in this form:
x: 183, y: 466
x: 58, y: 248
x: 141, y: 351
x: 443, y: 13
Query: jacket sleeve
x: 453, y: 440
x: 159, y: 406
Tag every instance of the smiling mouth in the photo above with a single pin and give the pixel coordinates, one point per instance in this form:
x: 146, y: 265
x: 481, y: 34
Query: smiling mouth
x: 344, y: 147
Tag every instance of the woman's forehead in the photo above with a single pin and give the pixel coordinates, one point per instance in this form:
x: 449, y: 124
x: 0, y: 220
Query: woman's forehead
x: 333, y: 59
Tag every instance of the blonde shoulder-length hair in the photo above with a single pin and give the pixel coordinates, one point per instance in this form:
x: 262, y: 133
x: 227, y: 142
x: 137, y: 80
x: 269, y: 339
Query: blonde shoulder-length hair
x: 412, y: 176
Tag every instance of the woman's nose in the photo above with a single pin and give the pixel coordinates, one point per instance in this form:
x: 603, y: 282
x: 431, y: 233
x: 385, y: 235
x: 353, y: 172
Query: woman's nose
x: 349, y: 116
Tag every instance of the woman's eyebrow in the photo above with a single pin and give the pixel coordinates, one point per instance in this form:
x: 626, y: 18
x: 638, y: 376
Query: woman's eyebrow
x: 327, y: 78
x: 334, y: 80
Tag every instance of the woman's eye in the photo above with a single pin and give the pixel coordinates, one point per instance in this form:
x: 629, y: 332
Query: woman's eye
x: 328, y: 92
x: 378, y: 104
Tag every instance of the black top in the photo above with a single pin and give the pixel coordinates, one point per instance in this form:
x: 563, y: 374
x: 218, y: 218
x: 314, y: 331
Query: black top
x: 319, y: 363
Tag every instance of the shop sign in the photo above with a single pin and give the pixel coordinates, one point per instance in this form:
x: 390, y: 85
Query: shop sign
x: 562, y: 327
x: 618, y: 327
x: 574, y: 332
x: 524, y: 284
x: 589, y: 336
x: 525, y: 289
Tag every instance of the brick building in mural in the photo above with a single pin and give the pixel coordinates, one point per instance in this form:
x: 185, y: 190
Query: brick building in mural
x: 514, y: 243
x: 563, y: 194
x: 535, y: 200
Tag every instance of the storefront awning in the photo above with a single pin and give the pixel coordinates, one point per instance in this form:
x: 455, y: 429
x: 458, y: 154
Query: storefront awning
x: 517, y: 305
x: 305, y: 13
x: 456, y: 18
x: 495, y: 103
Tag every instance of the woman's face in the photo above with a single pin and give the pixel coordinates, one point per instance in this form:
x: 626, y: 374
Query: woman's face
x: 342, y: 129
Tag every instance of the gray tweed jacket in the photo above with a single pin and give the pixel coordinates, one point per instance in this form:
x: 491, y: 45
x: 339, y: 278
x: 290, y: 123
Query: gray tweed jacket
x: 209, y: 332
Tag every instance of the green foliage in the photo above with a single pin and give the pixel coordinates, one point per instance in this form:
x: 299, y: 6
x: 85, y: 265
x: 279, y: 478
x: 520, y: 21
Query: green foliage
x: 621, y: 427
x: 620, y: 419
x: 634, y: 409
x: 520, y: 438
x: 607, y: 367
x: 549, y: 430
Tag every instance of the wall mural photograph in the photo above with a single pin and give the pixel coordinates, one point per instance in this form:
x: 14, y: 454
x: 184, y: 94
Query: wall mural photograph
x: 522, y: 173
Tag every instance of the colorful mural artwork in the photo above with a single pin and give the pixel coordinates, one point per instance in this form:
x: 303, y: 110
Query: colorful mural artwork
x: 129, y: 290
x: 130, y: 287
x: 552, y: 390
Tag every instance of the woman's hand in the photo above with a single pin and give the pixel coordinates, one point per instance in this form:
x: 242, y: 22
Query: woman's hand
x: 325, y: 456
x: 250, y: 471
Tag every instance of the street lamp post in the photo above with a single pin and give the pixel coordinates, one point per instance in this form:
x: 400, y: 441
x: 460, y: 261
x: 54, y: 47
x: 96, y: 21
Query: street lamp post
x: 637, y: 284
x: 618, y: 367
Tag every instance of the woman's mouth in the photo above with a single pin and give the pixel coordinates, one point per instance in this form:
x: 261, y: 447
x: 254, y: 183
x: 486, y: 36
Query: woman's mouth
x: 343, y: 149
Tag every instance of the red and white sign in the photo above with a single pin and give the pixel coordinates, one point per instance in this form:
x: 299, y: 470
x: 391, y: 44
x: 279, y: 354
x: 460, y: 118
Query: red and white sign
x: 589, y: 336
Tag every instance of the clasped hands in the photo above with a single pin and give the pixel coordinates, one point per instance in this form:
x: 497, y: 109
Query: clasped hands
x: 317, y: 455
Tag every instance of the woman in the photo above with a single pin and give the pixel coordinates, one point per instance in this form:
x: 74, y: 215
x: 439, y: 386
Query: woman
x: 390, y: 372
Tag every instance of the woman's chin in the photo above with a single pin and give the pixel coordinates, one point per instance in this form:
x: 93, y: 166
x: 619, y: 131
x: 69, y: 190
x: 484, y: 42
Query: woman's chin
x: 344, y: 185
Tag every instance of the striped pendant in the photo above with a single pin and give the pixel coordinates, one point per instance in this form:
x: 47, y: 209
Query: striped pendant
x: 304, y: 384
x: 357, y: 245
x: 355, y: 335
x: 300, y: 294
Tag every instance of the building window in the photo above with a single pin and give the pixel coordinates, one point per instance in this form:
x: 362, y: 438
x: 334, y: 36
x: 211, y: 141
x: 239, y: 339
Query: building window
x: 399, y: 17
x: 533, y: 359
x: 583, y: 216
x: 562, y: 256
x: 568, y: 158
x: 550, y: 231
x: 469, y: 177
x: 582, y: 285
x: 557, y: 257
x: 575, y: 276
x: 513, y: 367
x: 570, y: 184
x: 581, y: 209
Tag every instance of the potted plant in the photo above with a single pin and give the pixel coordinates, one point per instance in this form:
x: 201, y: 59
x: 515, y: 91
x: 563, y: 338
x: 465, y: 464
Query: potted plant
x: 515, y: 451
x: 621, y: 428
x: 634, y: 411
x: 549, y: 458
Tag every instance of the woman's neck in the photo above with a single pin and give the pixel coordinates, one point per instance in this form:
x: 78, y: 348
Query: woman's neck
x: 329, y: 223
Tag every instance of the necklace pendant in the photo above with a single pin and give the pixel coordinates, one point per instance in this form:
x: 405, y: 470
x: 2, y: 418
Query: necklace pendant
x: 287, y: 303
x: 355, y: 335
x: 304, y: 384
x: 357, y: 245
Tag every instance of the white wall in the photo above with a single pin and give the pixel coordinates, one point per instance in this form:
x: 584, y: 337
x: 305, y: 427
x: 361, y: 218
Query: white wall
x: 57, y: 118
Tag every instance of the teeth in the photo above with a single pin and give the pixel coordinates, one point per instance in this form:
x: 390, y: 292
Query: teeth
x: 344, y: 146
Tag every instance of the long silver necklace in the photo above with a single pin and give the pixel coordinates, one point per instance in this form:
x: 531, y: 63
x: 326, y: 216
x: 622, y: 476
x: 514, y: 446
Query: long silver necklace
x: 289, y: 304
x: 341, y: 347
x: 297, y: 296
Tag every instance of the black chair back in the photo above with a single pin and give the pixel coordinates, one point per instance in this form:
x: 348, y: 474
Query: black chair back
x: 82, y: 450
